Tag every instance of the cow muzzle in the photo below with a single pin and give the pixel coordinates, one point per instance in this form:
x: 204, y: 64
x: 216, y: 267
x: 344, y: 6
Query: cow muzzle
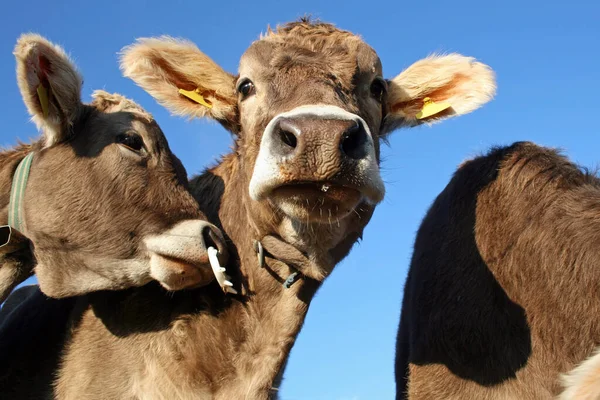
x: 179, y: 257
x: 317, y: 162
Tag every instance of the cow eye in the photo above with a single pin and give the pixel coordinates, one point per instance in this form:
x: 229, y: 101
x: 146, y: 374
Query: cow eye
x: 378, y: 89
x: 245, y: 88
x: 131, y: 141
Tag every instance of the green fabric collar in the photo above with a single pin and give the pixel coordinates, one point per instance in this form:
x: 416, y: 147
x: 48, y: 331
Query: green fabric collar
x: 17, y: 194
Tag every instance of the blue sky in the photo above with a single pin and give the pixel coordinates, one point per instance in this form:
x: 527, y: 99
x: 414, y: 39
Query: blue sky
x: 546, y: 56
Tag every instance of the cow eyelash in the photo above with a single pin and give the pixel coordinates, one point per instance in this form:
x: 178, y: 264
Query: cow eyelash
x: 131, y: 141
x: 378, y: 89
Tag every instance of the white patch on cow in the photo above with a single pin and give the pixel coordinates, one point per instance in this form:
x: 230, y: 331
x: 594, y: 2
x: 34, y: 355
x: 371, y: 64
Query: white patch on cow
x: 266, y: 173
x: 583, y: 382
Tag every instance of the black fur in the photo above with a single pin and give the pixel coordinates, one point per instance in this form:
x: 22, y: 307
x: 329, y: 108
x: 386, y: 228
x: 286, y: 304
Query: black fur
x: 33, y: 330
x: 454, y: 312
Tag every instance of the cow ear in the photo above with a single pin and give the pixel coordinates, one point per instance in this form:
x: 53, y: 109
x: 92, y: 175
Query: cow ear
x: 50, y: 86
x: 437, y: 87
x: 182, y: 79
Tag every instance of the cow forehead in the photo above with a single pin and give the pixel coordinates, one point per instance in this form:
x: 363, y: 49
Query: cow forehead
x: 116, y: 113
x: 115, y: 103
x: 339, y: 53
x: 119, y: 121
x: 99, y: 128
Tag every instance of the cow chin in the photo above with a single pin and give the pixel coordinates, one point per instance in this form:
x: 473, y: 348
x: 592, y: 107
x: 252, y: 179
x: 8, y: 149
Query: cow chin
x: 316, y: 202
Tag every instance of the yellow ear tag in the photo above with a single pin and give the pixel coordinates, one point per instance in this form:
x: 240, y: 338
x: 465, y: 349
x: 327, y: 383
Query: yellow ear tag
x: 431, y: 108
x: 195, y: 96
x: 43, y: 96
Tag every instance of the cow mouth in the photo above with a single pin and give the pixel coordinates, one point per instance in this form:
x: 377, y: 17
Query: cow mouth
x: 179, y: 256
x: 323, y: 202
x: 176, y: 274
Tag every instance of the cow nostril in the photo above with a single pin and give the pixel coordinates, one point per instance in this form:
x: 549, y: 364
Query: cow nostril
x: 353, y: 143
x: 288, y: 138
x: 287, y: 132
x: 207, y: 235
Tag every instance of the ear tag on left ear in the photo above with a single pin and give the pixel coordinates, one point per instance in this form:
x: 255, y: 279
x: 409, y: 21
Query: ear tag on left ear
x: 42, y: 93
x: 431, y: 108
x: 195, y: 96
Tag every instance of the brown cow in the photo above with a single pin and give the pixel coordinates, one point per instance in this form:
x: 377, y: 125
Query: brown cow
x: 106, y: 205
x: 503, y: 280
x: 308, y: 110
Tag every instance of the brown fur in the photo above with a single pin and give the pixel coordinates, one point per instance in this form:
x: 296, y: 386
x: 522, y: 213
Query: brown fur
x: 89, y: 203
x: 538, y: 231
x: 202, y: 344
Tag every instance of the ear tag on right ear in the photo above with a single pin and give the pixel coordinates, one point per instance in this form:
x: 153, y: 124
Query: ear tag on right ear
x: 195, y: 96
x: 431, y: 108
x: 42, y: 93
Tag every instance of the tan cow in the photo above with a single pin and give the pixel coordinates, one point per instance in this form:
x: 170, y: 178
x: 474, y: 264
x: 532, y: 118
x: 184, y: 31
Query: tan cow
x: 308, y: 110
x: 106, y: 204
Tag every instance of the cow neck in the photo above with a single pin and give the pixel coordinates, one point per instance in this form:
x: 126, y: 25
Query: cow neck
x: 274, y: 316
x: 284, y: 253
x: 266, y: 260
x: 273, y: 266
x: 273, y: 313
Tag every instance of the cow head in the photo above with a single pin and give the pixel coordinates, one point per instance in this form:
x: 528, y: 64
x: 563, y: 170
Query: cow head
x: 309, y: 106
x: 107, y: 204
